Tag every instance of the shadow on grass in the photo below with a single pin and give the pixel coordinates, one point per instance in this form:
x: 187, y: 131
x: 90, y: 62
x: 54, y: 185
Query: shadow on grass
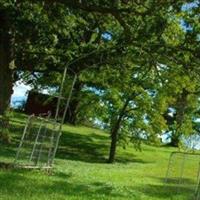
x: 166, y: 191
x: 79, y: 147
x: 173, y: 189
x: 19, y: 117
x: 186, y: 181
x: 92, y: 148
x: 60, y: 184
x: 9, y: 150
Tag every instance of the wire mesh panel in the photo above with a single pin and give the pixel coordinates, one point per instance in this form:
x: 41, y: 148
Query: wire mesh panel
x: 183, y: 174
x: 38, y: 143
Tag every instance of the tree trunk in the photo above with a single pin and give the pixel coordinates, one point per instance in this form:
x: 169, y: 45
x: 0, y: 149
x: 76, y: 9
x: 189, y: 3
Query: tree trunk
x: 175, y: 139
x: 181, y: 106
x: 113, y: 145
x: 71, y: 116
x: 6, y: 81
x: 5, y: 86
x: 114, y: 133
x: 72, y: 112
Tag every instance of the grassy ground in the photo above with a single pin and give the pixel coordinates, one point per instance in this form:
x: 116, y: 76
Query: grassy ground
x: 81, y: 172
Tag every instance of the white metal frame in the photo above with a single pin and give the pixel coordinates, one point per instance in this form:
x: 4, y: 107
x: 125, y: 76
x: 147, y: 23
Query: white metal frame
x: 43, y: 125
x: 184, y: 157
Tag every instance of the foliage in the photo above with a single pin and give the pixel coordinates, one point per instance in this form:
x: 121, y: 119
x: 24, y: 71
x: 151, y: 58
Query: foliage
x: 134, y: 60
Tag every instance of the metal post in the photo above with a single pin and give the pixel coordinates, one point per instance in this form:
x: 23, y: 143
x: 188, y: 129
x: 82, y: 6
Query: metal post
x: 60, y: 94
x: 181, y: 172
x: 36, y: 140
x: 197, y: 193
x: 22, y: 138
x: 49, y: 161
x: 182, y: 168
x: 56, y: 145
x: 168, y: 168
x: 68, y: 100
x: 63, y: 118
x: 41, y: 145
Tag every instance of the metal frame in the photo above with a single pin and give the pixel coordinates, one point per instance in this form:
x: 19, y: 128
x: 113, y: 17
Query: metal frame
x: 42, y: 130
x: 56, y: 119
x: 44, y: 144
x: 197, y: 190
x: 184, y: 156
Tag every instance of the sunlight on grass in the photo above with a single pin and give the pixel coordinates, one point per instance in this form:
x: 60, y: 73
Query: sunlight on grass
x: 81, y: 171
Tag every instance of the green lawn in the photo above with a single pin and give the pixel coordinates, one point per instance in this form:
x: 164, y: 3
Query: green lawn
x: 81, y: 172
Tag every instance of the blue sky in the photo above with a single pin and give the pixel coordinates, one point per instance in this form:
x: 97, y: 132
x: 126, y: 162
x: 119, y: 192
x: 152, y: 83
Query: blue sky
x: 20, y: 92
x: 191, y: 5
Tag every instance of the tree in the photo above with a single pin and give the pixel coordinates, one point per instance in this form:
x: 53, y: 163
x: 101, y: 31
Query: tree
x: 182, y: 110
x: 6, y: 59
x: 44, y: 21
x: 122, y: 103
x: 91, y: 34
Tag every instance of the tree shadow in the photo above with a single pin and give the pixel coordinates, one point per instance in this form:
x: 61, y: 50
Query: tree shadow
x: 171, y: 188
x: 167, y: 191
x: 8, y: 151
x: 130, y: 158
x: 99, y: 137
x: 80, y: 147
x: 58, y: 184
x: 19, y: 117
x: 91, y: 148
x: 61, y: 175
x: 176, y: 180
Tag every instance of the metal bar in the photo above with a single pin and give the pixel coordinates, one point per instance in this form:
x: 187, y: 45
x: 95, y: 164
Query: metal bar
x: 22, y: 138
x: 47, y: 115
x: 197, y: 192
x: 168, y: 168
x: 49, y: 161
x: 32, y: 167
x: 41, y: 145
x: 56, y: 145
x: 181, y: 173
x: 36, y: 140
x: 182, y: 168
x: 63, y: 118
x: 60, y: 94
x: 68, y: 100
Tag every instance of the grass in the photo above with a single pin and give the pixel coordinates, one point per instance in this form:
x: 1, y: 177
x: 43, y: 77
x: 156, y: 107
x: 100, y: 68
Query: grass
x: 81, y: 172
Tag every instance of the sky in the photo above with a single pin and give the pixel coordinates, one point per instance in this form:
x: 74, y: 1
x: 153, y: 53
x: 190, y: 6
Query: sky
x: 20, y: 93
